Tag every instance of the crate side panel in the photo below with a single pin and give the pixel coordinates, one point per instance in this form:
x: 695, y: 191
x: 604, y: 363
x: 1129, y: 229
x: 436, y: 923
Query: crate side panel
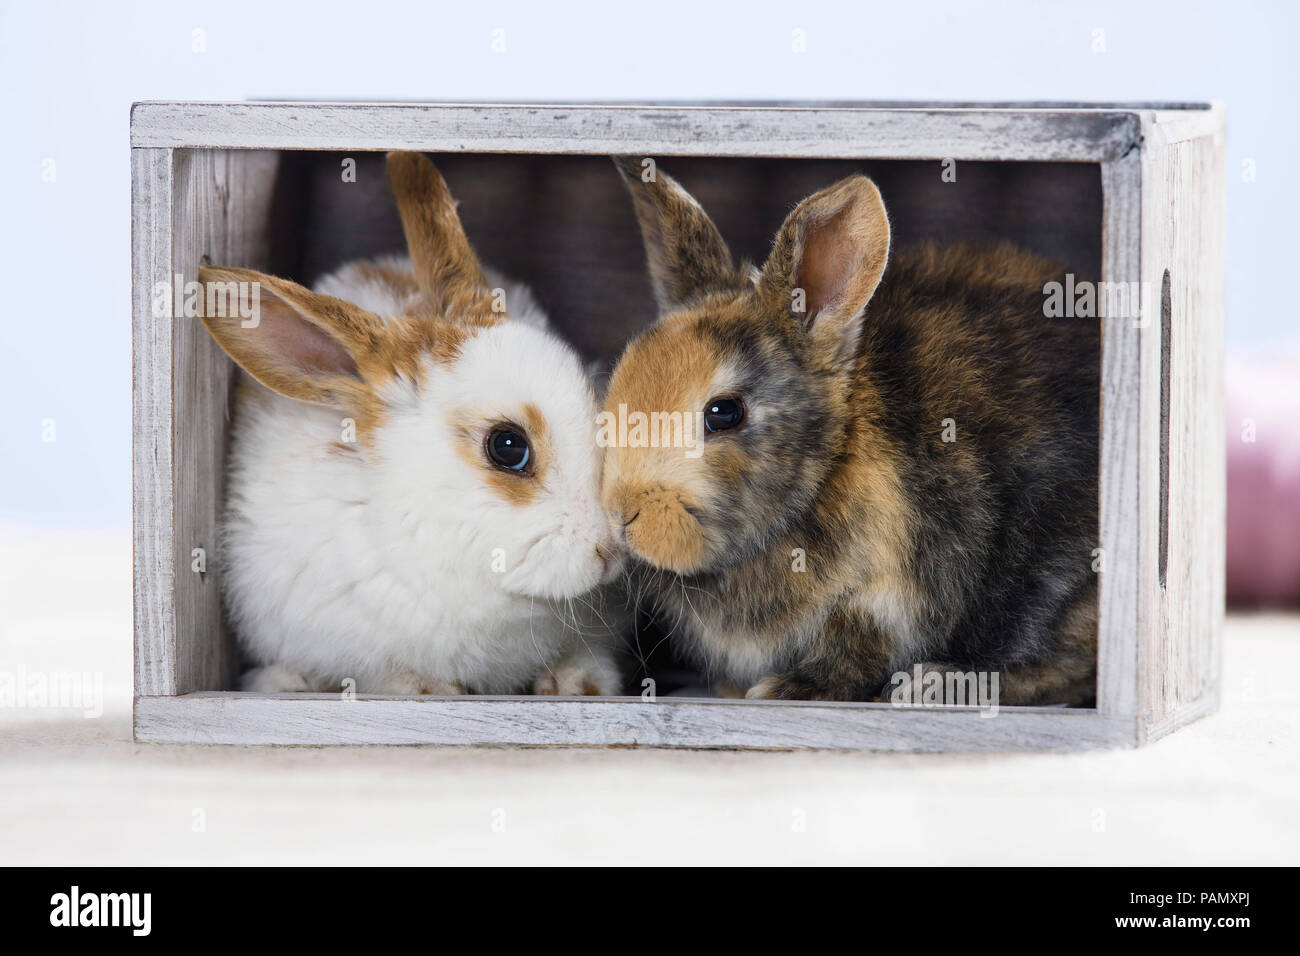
x: 154, y: 612
x: 222, y: 202
x: 1183, y: 233
x: 1126, y: 419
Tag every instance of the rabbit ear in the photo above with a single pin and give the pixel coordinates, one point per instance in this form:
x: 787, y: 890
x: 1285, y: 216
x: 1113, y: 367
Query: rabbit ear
x: 685, y: 251
x: 826, y: 263
x: 296, y: 342
x: 445, y: 266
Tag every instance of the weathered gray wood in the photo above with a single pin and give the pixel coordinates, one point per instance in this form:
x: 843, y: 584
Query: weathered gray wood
x: 668, y: 722
x: 1123, y: 400
x: 221, y: 207
x: 1071, y: 135
x: 151, y: 415
x: 1183, y: 232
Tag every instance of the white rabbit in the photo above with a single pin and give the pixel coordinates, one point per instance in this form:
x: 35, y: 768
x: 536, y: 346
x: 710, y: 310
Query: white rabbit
x: 413, y: 499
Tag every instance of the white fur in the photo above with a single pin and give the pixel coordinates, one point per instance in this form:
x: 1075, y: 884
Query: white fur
x: 377, y: 563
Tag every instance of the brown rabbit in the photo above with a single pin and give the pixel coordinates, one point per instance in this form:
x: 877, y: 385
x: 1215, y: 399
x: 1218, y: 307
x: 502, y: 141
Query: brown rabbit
x: 892, y: 472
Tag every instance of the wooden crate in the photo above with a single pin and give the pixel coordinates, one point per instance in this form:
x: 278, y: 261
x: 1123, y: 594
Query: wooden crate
x: 208, y: 185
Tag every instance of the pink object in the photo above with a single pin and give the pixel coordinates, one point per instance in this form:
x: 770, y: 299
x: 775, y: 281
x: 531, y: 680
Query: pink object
x: 1263, y: 435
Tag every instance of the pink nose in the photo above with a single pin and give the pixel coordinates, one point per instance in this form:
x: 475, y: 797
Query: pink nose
x: 610, y: 556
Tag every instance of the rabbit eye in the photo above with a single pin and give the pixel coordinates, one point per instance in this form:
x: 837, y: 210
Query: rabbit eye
x: 507, y: 448
x: 723, y: 413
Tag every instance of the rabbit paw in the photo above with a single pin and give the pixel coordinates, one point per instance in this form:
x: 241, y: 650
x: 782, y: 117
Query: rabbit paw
x: 274, y: 679
x: 795, y: 685
x: 578, y: 678
x: 780, y: 687
x: 412, y: 683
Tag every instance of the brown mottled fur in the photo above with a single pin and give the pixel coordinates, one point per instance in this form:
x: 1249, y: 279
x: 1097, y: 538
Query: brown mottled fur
x: 834, y: 538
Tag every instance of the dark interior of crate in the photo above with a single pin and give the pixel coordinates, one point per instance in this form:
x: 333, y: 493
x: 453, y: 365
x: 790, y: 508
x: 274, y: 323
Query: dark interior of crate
x: 564, y: 225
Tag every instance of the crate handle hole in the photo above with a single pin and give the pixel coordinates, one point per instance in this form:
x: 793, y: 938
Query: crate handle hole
x: 1166, y: 323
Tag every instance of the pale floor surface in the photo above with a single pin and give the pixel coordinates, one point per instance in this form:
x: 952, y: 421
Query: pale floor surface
x: 77, y: 791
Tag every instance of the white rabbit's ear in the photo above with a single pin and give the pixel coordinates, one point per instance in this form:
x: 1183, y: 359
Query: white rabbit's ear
x: 446, y: 268
x: 296, y: 342
x: 685, y: 251
x: 826, y: 262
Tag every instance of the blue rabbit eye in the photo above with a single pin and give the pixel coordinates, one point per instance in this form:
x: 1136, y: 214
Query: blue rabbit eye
x: 723, y: 413
x: 508, y: 448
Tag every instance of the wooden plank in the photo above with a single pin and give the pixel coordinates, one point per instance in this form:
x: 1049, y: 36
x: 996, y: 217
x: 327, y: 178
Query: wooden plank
x: 318, y: 719
x: 1033, y: 134
x: 1183, y: 234
x: 151, y: 437
x: 222, y: 204
x: 1054, y: 106
x: 1122, y: 465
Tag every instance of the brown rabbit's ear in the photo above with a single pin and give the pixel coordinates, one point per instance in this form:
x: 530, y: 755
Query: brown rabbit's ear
x: 445, y: 265
x: 826, y: 263
x: 296, y: 342
x: 685, y: 251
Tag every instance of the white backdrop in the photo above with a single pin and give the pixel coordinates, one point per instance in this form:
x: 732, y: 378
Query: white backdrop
x: 69, y: 72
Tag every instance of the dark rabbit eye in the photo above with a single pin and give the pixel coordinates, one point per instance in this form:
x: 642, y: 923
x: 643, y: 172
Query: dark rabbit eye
x: 723, y: 413
x: 508, y: 448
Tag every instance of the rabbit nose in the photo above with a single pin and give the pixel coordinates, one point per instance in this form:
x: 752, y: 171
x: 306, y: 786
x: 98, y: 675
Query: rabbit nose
x: 611, y: 558
x: 623, y: 506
